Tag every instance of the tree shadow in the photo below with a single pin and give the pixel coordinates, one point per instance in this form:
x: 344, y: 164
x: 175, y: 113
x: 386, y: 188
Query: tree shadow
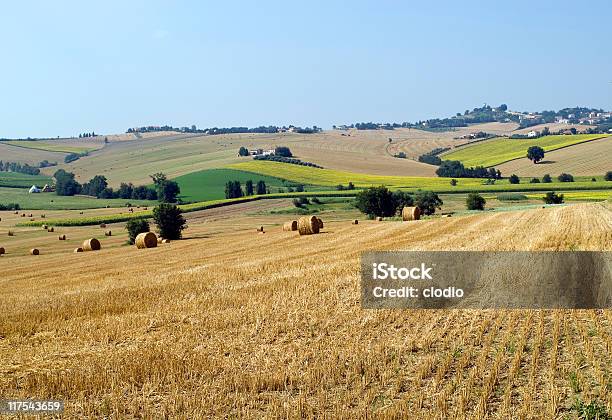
x: 546, y: 162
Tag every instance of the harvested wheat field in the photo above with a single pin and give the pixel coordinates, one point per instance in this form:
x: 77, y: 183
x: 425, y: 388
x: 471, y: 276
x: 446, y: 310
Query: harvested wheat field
x: 196, y: 329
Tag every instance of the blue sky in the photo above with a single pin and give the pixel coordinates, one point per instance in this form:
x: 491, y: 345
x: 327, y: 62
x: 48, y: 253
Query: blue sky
x: 69, y: 67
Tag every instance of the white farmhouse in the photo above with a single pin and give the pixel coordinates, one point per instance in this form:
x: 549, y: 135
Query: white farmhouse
x: 532, y: 134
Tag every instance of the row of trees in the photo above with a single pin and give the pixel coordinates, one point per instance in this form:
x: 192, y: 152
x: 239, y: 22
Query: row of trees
x: 455, y: 169
x: 381, y: 202
x: 18, y: 167
x: 225, y: 130
x: 165, y: 190
x: 233, y: 189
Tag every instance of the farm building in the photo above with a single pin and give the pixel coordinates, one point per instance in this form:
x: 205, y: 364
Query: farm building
x: 34, y: 189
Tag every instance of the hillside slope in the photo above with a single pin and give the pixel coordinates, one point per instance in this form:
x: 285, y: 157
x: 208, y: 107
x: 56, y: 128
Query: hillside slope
x: 591, y: 158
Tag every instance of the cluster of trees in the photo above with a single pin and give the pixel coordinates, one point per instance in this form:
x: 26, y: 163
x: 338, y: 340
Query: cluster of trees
x: 553, y: 198
x: 165, y: 190
x: 283, y: 151
x: 233, y: 189
x: 168, y: 218
x: 71, y: 157
x: 18, y: 167
x: 475, y: 201
x: 608, y: 176
x: 455, y: 169
x: 10, y: 206
x: 349, y: 186
x: 380, y: 201
x: 432, y: 157
x: 85, y: 135
x: 98, y: 187
x: 282, y: 159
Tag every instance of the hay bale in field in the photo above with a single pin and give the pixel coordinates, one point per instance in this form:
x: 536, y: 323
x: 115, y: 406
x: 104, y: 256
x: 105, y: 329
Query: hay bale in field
x: 355, y: 222
x: 2, y: 251
x: 146, y: 240
x: 30, y: 215
x: 34, y: 251
x: 411, y: 213
x: 108, y: 233
x: 22, y: 214
x: 80, y: 212
x: 16, y: 212
x: 260, y: 229
x: 165, y: 241
x: 10, y: 233
x: 290, y: 226
x: 45, y: 227
x: 32, y: 219
x: 102, y: 225
x: 159, y: 239
x: 62, y: 237
x: 145, y: 208
x: 42, y: 216
x: 308, y: 225
x: 51, y: 229
x: 379, y: 219
x: 79, y: 249
x: 91, y: 244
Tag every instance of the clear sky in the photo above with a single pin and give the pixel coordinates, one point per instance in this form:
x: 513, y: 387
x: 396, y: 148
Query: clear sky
x: 74, y: 66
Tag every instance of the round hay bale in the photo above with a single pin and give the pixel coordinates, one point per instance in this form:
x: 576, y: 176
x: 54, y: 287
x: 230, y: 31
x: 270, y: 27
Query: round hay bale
x: 290, y: 226
x: 10, y: 233
x: 91, y: 244
x: 260, y: 229
x: 146, y: 240
x: 80, y: 212
x: 42, y: 216
x: 411, y: 213
x: 108, y: 233
x: 62, y: 237
x: 159, y: 239
x: 45, y: 227
x: 51, y: 229
x: 379, y: 219
x: 355, y: 222
x: 2, y: 251
x: 16, y: 212
x: 79, y: 249
x: 34, y: 251
x: 22, y: 214
x: 31, y: 219
x: 165, y: 241
x: 102, y: 225
x: 145, y: 208
x: 308, y: 225
x: 30, y: 215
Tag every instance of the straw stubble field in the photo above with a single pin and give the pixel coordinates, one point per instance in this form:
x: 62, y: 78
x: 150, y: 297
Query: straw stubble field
x: 245, y: 325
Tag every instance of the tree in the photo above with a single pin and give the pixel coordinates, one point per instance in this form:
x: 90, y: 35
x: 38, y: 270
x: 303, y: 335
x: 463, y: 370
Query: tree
x: 376, y: 201
x: 608, y: 176
x: 282, y: 151
x: 402, y: 199
x: 169, y: 220
x: 573, y: 130
x: 125, y: 190
x: 299, y: 188
x: 261, y: 188
x: 503, y: 107
x: 350, y: 186
x: 248, y: 187
x: 243, y: 151
x: 135, y: 227
x: 96, y: 185
x: 565, y: 178
x: 552, y: 198
x: 546, y: 179
x: 107, y: 193
x: 545, y: 132
x: 233, y: 189
x: 534, y: 181
x: 514, y: 179
x: 475, y: 201
x: 535, y: 154
x: 453, y: 182
x: 167, y: 191
x: 428, y: 202
x: 65, y: 183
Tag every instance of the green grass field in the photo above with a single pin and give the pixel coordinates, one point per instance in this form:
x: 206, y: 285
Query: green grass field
x: 15, y: 179
x: 209, y: 184
x: 48, y: 146
x: 52, y: 201
x: 500, y: 150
